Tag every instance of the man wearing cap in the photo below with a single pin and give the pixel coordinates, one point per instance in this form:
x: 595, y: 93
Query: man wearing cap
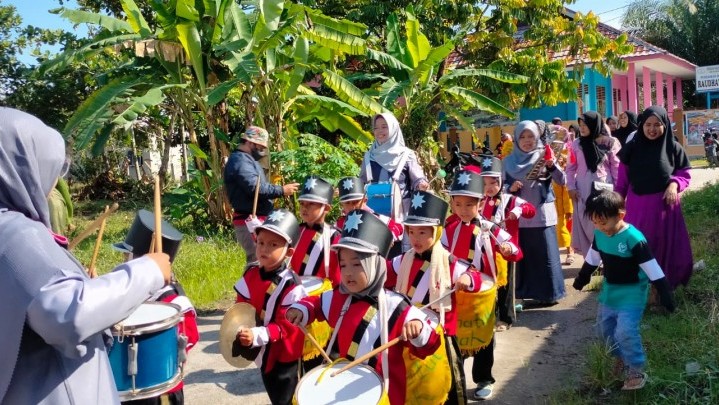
x: 242, y: 176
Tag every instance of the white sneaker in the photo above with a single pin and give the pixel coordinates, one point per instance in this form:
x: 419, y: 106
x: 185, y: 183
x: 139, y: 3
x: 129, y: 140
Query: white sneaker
x: 483, y: 391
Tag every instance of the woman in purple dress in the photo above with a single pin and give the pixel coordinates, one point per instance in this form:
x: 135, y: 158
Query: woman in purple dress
x: 654, y: 170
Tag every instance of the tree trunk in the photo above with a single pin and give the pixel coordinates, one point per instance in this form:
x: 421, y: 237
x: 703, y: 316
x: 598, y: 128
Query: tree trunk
x: 165, y: 158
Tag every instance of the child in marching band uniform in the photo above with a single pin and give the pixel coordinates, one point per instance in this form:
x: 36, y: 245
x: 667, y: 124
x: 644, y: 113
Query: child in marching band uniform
x: 468, y: 238
x: 352, y: 197
x: 137, y: 243
x: 363, y: 314
x: 427, y: 271
x: 312, y: 256
x: 271, y: 287
x: 504, y: 209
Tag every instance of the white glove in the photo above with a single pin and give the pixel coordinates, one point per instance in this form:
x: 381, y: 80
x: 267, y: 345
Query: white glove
x: 485, y: 225
x: 252, y: 223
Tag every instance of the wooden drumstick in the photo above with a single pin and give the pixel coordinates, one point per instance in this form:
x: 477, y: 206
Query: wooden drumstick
x: 257, y: 194
x: 367, y: 356
x: 158, y: 217
x: 91, y: 269
x: 315, y: 343
x: 93, y: 225
x: 389, y: 344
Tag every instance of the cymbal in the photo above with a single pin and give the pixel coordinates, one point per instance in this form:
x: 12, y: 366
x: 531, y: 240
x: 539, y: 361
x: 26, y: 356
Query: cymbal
x: 239, y: 315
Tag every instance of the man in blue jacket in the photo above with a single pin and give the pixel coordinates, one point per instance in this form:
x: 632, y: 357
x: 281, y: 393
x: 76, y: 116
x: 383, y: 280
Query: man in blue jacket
x: 242, y: 175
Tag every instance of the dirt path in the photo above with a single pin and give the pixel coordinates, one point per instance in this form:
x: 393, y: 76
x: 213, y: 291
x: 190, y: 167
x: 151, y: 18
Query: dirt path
x: 541, y: 354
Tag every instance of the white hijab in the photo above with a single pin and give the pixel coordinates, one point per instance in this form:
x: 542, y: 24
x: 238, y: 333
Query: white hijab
x: 388, y: 154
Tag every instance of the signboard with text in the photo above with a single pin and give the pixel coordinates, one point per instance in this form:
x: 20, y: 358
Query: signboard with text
x: 707, y: 78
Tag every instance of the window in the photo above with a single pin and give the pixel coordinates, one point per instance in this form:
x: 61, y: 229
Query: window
x: 582, y: 96
x: 602, y: 100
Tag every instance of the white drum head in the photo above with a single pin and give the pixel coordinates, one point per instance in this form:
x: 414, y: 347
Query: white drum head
x: 149, y: 317
x: 359, y: 385
x: 311, y: 283
x: 487, y: 282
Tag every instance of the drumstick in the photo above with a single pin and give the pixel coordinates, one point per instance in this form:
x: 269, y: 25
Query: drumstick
x: 389, y: 344
x: 257, y: 194
x: 445, y: 295
x: 158, y: 217
x: 98, y: 242
x: 315, y: 343
x: 93, y: 225
x: 367, y: 356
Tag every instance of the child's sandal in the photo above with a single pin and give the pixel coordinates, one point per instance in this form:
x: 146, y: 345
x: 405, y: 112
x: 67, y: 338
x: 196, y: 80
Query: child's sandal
x: 501, y: 326
x: 635, y: 380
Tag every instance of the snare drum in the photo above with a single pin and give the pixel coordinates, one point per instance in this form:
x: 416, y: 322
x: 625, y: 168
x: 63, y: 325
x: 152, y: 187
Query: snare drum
x: 383, y: 198
x: 321, y: 331
x: 144, y: 354
x: 475, y: 317
x: 360, y: 385
x: 428, y: 379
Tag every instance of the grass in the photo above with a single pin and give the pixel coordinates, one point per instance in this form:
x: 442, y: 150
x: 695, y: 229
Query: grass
x: 682, y: 348
x: 206, y: 266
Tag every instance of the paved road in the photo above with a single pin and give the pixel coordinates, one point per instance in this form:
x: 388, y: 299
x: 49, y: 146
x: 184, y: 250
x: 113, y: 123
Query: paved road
x: 532, y: 359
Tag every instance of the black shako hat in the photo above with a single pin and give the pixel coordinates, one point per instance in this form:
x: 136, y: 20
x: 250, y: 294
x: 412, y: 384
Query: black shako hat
x: 426, y: 209
x: 139, y: 237
x: 283, y: 223
x: 468, y: 184
x: 316, y: 190
x: 350, y: 189
x: 364, y: 232
x: 491, y: 166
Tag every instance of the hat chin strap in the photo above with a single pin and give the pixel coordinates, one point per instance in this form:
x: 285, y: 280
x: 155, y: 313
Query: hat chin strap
x: 322, y: 211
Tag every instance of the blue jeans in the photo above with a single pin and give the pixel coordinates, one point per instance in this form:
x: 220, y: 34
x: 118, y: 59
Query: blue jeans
x: 619, y: 328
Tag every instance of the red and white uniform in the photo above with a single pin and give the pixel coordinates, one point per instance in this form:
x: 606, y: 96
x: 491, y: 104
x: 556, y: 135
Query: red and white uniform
x: 173, y: 294
x: 272, y: 293
x: 395, y: 227
x: 309, y: 257
x: 419, y: 281
x: 498, y: 208
x: 354, y: 328
x: 463, y: 240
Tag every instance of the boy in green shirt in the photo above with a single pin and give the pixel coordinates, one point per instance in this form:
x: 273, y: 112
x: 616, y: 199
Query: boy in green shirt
x: 629, y: 267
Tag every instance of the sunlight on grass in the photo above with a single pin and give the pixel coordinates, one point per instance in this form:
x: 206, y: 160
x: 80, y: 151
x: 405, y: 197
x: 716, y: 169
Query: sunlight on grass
x: 207, y: 267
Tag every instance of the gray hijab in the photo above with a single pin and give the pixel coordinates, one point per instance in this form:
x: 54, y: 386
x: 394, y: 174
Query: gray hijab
x: 519, y: 162
x: 375, y: 267
x: 31, y: 158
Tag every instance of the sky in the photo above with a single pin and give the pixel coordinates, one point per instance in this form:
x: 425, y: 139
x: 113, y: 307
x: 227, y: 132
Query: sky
x: 35, y: 12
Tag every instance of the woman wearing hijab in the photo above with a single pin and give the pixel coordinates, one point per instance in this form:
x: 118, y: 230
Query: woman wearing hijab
x: 627, y: 125
x: 612, y: 123
x: 388, y: 159
x: 363, y: 314
x: 539, y: 274
x: 654, y: 170
x: 595, y: 160
x: 54, y: 318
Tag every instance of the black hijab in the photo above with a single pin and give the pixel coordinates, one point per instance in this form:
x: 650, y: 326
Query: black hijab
x: 623, y: 132
x: 650, y: 164
x: 593, y: 154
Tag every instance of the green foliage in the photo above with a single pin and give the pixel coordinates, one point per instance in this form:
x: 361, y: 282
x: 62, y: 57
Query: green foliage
x: 315, y: 156
x: 207, y: 266
x: 186, y: 204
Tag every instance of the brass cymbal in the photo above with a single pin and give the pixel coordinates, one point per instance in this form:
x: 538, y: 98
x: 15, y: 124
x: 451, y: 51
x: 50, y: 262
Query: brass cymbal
x: 239, y: 315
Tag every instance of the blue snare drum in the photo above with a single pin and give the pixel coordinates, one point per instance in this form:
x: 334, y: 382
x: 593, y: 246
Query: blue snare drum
x: 380, y: 197
x: 144, y: 355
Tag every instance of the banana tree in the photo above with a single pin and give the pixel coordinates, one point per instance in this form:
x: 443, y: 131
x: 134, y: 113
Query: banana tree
x: 416, y: 88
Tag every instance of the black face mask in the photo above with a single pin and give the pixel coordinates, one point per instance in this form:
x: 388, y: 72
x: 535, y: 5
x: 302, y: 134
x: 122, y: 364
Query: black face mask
x: 256, y: 154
